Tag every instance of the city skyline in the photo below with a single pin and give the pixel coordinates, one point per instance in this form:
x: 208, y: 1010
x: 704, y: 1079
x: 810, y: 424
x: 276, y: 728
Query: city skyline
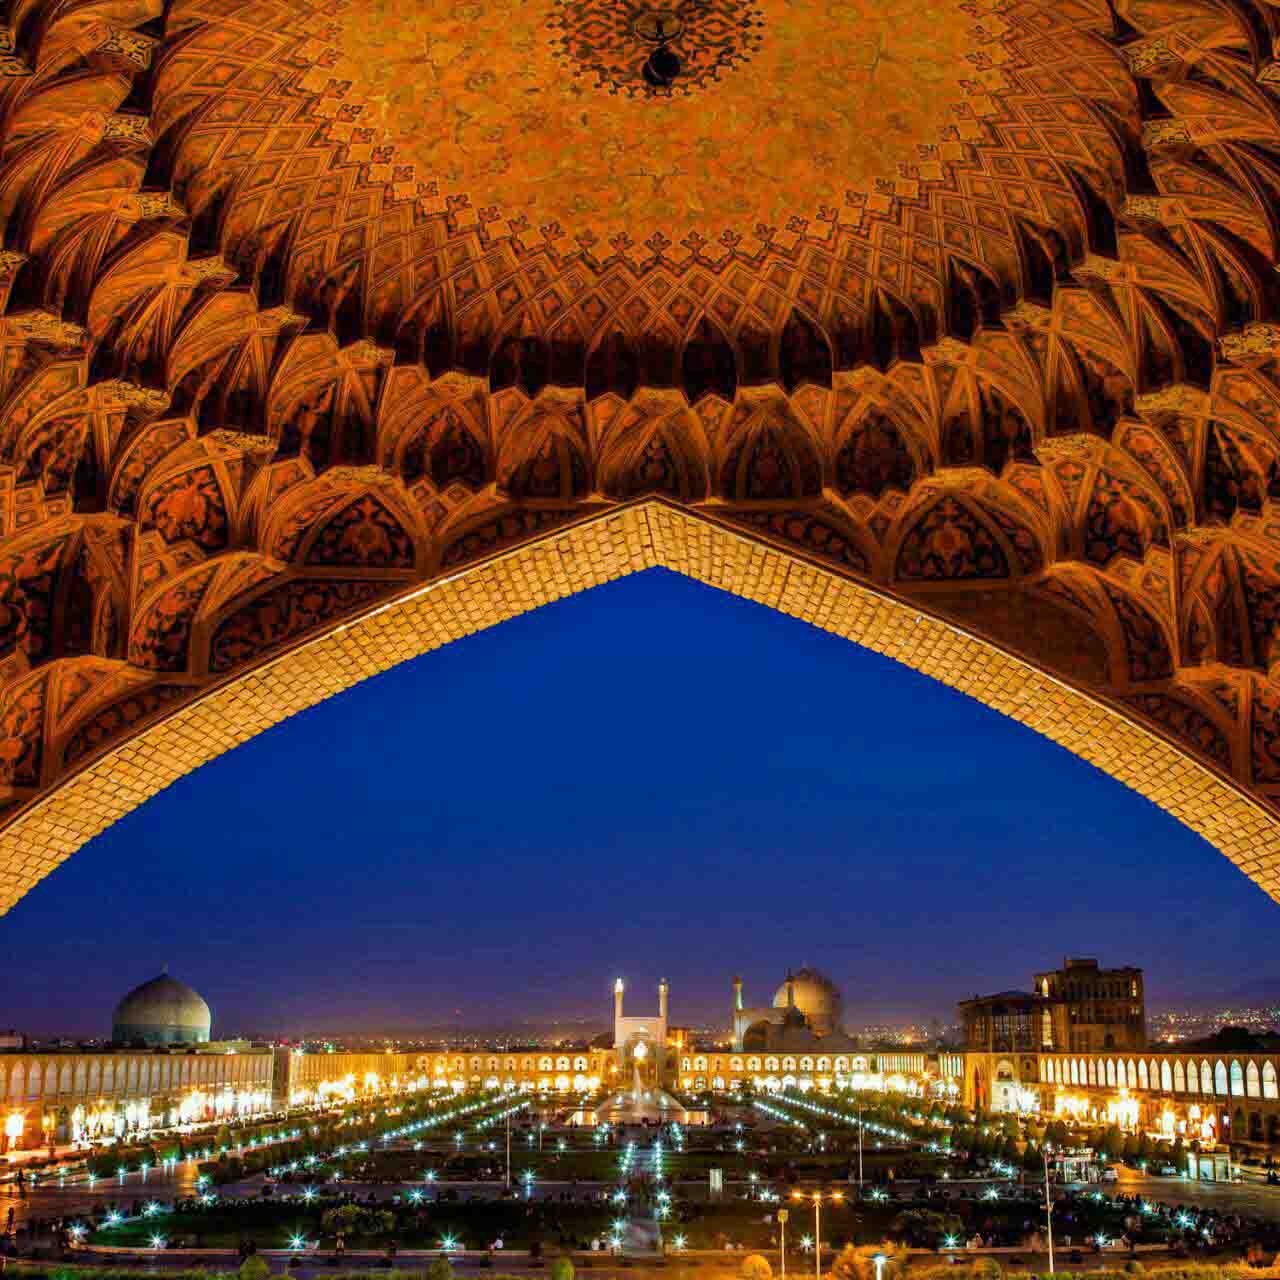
x: 948, y: 836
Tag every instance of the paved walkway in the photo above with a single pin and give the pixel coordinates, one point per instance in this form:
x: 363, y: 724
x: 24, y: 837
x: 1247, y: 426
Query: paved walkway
x: 1252, y: 1199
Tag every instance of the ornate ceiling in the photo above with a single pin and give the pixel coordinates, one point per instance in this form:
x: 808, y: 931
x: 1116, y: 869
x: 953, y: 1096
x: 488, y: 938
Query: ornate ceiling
x: 306, y: 305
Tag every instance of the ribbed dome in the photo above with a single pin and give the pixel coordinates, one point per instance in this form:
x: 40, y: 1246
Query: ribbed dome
x: 162, y: 1011
x: 817, y: 997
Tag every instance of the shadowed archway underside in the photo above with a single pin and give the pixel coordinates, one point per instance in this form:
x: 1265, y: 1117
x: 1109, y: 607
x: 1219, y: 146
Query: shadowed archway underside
x: 317, y: 350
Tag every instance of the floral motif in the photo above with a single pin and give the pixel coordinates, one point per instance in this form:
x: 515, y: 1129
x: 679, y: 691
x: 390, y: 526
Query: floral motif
x: 22, y: 734
x: 26, y: 599
x: 188, y: 506
x: 1187, y: 724
x: 506, y: 530
x: 1146, y: 645
x: 497, y: 104
x: 162, y: 634
x: 810, y: 533
x: 286, y: 611
x: 364, y: 533
x: 950, y: 543
x: 874, y: 458
x: 601, y: 39
x: 111, y: 723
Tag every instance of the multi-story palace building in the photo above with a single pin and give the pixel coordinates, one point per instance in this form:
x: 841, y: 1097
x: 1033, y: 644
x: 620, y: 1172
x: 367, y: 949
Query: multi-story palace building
x: 1076, y: 1046
x: 1093, y: 1008
x: 1079, y: 1007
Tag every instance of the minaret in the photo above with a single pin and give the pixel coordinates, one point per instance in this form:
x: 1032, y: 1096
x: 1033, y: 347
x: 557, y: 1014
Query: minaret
x: 737, y: 994
x: 663, y: 991
x: 617, y: 998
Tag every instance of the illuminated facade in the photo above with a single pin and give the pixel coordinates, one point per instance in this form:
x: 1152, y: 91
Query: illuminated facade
x: 1093, y: 1008
x: 806, y: 1009
x: 307, y: 1079
x: 1207, y: 1095
x: 1079, y: 1007
x: 665, y: 1056
x: 82, y: 1096
x: 1019, y: 1059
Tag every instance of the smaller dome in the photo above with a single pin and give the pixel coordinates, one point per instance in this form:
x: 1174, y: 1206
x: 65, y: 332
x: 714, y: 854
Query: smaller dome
x: 817, y: 997
x: 162, y: 1011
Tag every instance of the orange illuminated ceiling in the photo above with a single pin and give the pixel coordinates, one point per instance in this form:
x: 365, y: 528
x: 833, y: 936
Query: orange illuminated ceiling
x: 310, y: 306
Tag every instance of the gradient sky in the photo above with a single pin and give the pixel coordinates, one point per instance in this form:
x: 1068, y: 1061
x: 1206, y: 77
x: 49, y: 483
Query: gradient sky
x: 649, y: 779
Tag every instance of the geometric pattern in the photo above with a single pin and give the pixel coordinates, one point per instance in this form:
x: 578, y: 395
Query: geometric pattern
x: 261, y: 376
x: 709, y: 37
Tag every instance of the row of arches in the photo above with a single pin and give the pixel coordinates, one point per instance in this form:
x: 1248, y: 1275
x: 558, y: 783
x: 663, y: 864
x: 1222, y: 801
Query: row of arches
x: 806, y: 1063
x: 378, y: 1071
x: 91, y: 1076
x: 1165, y: 1075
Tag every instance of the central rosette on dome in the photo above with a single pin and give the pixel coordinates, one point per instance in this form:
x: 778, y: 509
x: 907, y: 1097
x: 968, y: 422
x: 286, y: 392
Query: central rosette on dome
x: 613, y: 41
x: 541, y: 115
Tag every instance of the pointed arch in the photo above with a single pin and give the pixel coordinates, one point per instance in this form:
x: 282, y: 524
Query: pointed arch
x: 769, y: 456
x: 707, y: 363
x: 804, y: 352
x: 548, y: 464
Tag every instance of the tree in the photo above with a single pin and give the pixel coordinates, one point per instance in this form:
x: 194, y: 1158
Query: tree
x: 857, y: 1262
x: 562, y: 1269
x: 255, y: 1267
x: 1113, y: 1142
x: 440, y: 1269
x: 755, y: 1267
x: 1056, y: 1134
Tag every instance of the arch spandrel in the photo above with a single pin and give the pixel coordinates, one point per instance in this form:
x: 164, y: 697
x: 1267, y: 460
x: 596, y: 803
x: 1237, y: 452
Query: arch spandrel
x: 598, y: 549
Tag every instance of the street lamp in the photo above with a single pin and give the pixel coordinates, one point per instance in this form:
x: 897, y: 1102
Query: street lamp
x: 783, y: 1215
x: 817, y: 1197
x: 1048, y: 1206
x: 859, y: 1146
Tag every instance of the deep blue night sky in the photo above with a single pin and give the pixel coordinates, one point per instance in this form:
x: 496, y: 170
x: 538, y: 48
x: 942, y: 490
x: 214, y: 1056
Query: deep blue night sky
x: 652, y: 778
